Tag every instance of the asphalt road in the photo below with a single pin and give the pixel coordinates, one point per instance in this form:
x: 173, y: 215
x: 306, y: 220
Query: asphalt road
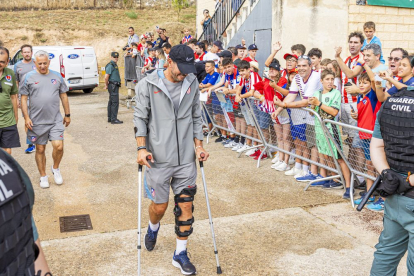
x: 265, y: 223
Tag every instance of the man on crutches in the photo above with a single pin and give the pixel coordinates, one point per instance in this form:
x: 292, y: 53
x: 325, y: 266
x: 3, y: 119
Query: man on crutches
x: 168, y: 126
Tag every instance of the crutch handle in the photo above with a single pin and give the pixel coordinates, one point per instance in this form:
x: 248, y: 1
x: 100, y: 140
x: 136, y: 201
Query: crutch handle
x: 149, y: 157
x: 202, y: 155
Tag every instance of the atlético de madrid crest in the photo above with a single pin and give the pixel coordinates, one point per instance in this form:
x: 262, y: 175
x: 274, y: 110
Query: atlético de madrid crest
x: 53, y: 81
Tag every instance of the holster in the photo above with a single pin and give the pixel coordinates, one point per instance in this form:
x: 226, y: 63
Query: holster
x: 393, y: 183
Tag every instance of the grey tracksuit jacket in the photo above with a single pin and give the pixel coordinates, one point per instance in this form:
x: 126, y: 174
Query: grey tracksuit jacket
x: 169, y: 133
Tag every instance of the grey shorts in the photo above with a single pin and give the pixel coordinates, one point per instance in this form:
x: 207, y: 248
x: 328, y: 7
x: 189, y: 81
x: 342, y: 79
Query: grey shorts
x: 247, y: 116
x: 157, y: 181
x: 40, y: 134
x: 347, y: 119
x: 310, y: 136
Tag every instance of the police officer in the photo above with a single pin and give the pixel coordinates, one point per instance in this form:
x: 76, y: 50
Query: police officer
x: 392, y: 152
x: 112, y: 83
x: 22, y: 256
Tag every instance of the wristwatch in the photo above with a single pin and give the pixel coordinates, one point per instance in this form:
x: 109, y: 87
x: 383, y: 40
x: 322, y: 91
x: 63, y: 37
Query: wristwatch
x: 67, y: 115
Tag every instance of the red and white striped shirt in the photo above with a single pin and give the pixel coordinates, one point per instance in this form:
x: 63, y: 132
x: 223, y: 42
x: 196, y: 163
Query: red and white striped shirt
x: 186, y: 39
x: 248, y: 84
x: 351, y: 63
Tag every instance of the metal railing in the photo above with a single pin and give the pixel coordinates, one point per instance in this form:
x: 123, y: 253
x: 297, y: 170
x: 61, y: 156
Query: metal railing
x: 224, y: 14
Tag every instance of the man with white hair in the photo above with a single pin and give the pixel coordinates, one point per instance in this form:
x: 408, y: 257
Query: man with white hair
x: 43, y: 119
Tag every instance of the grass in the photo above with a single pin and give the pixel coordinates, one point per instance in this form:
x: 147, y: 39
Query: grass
x: 23, y: 38
x: 131, y: 15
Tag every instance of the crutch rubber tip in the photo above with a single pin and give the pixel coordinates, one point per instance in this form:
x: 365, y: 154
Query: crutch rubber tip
x: 219, y: 270
x: 139, y: 247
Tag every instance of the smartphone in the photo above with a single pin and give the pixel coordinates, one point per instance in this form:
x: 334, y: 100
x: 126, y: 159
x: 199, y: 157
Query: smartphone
x: 352, y: 108
x: 348, y: 84
x: 268, y: 79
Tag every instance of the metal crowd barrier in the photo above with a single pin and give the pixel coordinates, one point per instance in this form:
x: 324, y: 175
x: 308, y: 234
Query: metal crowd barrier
x: 277, y: 135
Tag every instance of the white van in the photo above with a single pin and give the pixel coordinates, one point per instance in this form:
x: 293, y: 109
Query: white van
x: 77, y: 65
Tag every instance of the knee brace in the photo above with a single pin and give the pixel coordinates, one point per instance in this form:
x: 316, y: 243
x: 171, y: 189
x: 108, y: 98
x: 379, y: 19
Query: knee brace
x: 177, y: 211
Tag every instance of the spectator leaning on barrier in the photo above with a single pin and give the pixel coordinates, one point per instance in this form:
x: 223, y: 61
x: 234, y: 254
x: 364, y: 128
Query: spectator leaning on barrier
x: 369, y: 31
x: 148, y: 65
x: 405, y: 73
x: 394, y: 59
x: 327, y: 103
x: 132, y: 38
x: 367, y: 109
x: 291, y: 63
x: 9, y: 135
x: 304, y: 85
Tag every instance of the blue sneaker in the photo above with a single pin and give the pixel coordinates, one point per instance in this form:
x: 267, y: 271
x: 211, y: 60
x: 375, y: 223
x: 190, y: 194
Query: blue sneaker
x: 320, y: 183
x: 226, y: 141
x: 308, y: 177
x: 358, y: 201
x: 347, y: 194
x: 151, y: 238
x: 182, y: 262
x: 30, y: 149
x: 377, y: 205
x: 332, y: 185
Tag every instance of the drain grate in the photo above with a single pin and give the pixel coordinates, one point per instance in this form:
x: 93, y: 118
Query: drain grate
x: 75, y: 223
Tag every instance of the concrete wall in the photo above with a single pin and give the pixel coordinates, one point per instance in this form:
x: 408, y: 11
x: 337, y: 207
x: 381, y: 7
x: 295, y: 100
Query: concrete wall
x: 201, y: 5
x: 394, y: 26
x: 257, y: 29
x: 314, y: 23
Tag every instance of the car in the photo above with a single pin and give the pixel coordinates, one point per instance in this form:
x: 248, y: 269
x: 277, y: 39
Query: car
x: 77, y: 65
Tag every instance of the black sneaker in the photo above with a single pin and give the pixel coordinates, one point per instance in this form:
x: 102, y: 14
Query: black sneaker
x: 182, y: 262
x: 219, y: 140
x: 151, y: 238
x: 362, y: 186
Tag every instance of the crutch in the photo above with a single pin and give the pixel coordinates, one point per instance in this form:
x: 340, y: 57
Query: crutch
x: 209, y: 214
x: 139, y: 213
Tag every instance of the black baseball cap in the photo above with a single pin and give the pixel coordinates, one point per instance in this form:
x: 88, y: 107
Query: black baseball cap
x: 219, y: 44
x: 275, y: 65
x: 240, y: 47
x: 253, y: 47
x: 183, y: 55
x: 225, y: 54
x: 115, y: 54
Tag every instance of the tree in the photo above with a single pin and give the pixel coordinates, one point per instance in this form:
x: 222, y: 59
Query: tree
x: 178, y: 5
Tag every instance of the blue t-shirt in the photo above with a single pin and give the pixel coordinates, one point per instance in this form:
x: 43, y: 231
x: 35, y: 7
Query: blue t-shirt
x: 394, y: 89
x: 211, y: 79
x: 374, y: 40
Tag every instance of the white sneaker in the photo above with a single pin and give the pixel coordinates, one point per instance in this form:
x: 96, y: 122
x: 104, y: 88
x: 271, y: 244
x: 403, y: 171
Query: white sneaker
x: 230, y: 144
x: 250, y: 151
x: 293, y: 171
x: 300, y: 174
x: 276, y: 159
x: 276, y: 164
x: 57, y: 176
x: 237, y: 146
x: 282, y: 167
x: 44, y: 182
x: 245, y: 147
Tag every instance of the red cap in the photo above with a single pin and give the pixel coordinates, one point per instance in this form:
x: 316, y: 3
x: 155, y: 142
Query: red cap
x: 290, y: 55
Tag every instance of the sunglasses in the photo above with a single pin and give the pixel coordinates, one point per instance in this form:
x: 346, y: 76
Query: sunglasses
x: 396, y: 59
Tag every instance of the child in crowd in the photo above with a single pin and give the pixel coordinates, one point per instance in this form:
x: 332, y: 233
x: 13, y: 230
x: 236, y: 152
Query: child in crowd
x: 148, y: 65
x: 161, y: 60
x: 327, y: 103
x: 368, y: 107
x: 369, y: 31
x: 187, y: 37
x: 245, y: 89
x: 315, y: 55
x: 134, y: 50
x: 144, y: 51
x: 266, y: 90
x: 334, y: 67
x: 325, y: 62
x: 298, y: 50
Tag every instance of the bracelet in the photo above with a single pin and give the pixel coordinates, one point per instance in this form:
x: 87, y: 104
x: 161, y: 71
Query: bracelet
x: 362, y: 65
x: 320, y: 105
x: 198, y: 147
x: 140, y: 148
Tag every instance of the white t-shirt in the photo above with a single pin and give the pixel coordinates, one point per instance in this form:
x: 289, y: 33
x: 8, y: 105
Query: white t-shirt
x: 338, y: 83
x: 304, y: 90
x: 211, y: 56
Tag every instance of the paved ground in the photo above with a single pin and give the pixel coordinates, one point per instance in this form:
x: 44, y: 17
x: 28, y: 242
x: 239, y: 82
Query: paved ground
x: 265, y: 223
